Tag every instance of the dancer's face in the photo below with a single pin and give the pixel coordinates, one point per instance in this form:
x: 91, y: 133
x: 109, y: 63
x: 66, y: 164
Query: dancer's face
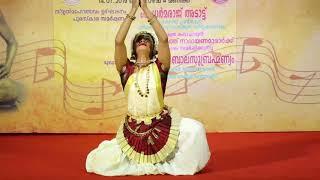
x: 143, y: 44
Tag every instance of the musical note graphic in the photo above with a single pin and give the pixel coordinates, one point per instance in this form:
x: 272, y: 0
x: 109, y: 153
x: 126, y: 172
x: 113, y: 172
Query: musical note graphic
x: 256, y: 65
x: 248, y: 42
x: 288, y: 84
x: 117, y: 86
x: 295, y: 77
x: 180, y: 86
x: 50, y: 73
x: 77, y: 99
x: 297, y: 95
x: 101, y: 109
x: 97, y: 110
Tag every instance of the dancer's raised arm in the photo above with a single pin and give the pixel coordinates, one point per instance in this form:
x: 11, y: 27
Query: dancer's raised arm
x: 120, y: 54
x: 164, y: 55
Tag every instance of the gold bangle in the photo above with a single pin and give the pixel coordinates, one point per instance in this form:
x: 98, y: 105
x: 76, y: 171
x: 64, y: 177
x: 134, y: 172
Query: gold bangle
x: 130, y: 17
x: 154, y: 18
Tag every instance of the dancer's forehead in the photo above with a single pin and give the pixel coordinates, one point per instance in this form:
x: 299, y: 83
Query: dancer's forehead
x: 144, y: 36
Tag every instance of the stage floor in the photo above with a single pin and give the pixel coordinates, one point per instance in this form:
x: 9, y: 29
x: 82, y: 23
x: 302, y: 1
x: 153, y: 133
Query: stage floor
x: 245, y: 156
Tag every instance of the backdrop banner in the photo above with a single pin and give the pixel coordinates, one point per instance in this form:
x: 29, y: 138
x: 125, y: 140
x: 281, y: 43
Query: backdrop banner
x: 236, y: 66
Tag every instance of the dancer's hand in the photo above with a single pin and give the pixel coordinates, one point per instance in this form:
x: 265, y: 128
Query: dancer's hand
x: 135, y: 4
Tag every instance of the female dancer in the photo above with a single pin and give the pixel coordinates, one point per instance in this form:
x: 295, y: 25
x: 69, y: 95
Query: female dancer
x: 153, y: 138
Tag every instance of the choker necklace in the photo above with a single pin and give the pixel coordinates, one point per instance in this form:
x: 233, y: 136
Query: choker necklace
x: 142, y: 64
x: 136, y: 84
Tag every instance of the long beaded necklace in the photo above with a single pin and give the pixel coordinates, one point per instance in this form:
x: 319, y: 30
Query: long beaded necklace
x: 136, y: 84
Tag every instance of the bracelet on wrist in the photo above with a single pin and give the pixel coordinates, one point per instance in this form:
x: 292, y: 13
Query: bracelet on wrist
x: 152, y: 20
x: 130, y: 17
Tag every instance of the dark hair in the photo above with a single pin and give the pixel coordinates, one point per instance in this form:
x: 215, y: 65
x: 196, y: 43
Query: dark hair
x: 137, y: 37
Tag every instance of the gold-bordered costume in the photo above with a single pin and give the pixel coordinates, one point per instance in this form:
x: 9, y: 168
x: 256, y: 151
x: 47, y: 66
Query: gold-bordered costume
x: 150, y: 131
x: 152, y: 138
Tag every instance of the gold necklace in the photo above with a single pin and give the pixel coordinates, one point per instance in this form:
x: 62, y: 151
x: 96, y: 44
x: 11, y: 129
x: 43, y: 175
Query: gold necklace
x: 142, y: 64
x: 136, y: 84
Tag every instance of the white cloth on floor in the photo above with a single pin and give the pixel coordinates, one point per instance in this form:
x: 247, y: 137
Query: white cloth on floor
x: 191, y: 155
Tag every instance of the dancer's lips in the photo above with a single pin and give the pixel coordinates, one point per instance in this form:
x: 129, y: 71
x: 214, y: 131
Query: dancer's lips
x: 142, y: 44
